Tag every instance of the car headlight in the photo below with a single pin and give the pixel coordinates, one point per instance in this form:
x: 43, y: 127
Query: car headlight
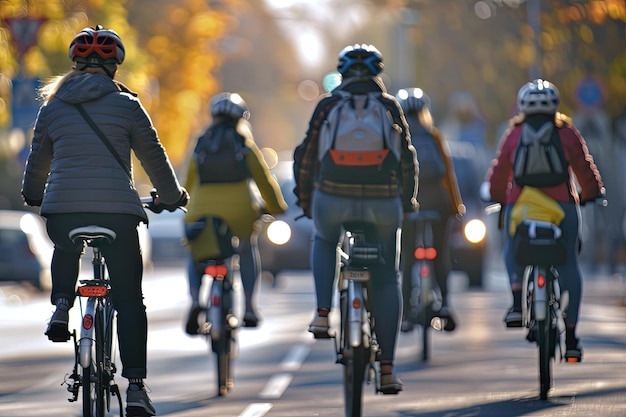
x: 475, y: 231
x: 278, y: 232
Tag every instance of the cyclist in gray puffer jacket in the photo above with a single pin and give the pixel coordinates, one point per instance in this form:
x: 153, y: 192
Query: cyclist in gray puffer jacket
x: 78, y: 181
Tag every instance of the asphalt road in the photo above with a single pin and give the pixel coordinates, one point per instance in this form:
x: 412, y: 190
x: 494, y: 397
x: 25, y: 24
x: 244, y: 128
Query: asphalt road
x: 481, y: 369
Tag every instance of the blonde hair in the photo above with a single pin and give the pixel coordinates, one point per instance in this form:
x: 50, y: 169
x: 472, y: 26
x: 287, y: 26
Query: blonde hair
x: 425, y: 118
x: 559, y: 119
x: 50, y: 89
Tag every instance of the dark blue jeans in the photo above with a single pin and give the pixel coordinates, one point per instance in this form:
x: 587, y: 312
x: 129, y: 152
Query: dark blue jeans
x: 385, y: 215
x: 124, y: 263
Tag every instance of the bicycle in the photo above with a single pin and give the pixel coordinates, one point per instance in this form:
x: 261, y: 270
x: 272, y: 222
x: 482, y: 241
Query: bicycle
x: 540, y: 249
x: 356, y: 345
x: 94, y: 352
x: 220, y: 322
x: 538, y: 245
x: 425, y: 297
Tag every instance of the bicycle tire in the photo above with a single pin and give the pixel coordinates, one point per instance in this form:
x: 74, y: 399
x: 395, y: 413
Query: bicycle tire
x: 91, y: 378
x: 108, y: 365
x: 221, y: 345
x: 545, y: 340
x: 425, y: 311
x: 354, y: 377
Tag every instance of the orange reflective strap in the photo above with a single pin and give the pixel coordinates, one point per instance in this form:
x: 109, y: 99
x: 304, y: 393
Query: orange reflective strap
x: 358, y: 158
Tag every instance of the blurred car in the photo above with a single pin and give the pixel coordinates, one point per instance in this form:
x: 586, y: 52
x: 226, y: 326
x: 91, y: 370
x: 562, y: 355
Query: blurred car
x: 166, y: 233
x: 468, y: 239
x: 285, y: 243
x: 25, y: 249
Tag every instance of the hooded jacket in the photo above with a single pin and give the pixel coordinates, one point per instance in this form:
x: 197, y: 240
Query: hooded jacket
x: 71, y: 168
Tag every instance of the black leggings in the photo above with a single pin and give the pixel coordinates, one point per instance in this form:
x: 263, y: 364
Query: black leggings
x: 124, y: 263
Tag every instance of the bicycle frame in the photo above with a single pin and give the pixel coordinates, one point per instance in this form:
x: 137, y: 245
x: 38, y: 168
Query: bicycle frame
x: 221, y: 321
x: 93, y: 350
x: 425, y: 293
x: 542, y: 311
x: 357, y: 348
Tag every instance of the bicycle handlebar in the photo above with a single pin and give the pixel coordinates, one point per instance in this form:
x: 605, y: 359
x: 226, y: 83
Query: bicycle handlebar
x: 153, y: 203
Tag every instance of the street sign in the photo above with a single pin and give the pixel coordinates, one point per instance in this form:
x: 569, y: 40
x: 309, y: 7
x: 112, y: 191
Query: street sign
x: 24, y: 32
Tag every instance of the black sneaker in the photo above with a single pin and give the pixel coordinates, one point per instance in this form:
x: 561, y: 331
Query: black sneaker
x: 513, y: 318
x: 573, y: 351
x: 390, y: 384
x: 192, y: 326
x: 57, y: 327
x: 250, y: 319
x: 138, y: 404
x: 446, y: 315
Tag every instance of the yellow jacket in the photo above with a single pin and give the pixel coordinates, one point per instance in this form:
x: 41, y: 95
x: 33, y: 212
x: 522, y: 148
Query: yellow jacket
x: 237, y: 203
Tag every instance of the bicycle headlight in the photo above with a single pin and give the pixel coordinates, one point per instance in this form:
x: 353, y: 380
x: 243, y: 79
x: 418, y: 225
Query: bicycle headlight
x: 278, y: 232
x: 475, y: 231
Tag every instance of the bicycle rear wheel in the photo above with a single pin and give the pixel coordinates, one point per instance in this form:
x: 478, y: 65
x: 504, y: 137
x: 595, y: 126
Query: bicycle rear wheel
x: 91, y: 377
x: 356, y: 360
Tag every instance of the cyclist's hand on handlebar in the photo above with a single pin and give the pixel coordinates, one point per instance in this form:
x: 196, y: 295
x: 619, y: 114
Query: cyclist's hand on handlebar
x: 31, y: 202
x: 155, y: 205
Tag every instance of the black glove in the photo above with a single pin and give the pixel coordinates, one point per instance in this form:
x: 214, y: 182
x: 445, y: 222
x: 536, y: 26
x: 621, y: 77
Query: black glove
x: 182, y: 201
x: 31, y: 202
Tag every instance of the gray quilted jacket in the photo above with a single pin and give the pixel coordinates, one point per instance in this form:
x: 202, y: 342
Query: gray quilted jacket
x: 74, y: 172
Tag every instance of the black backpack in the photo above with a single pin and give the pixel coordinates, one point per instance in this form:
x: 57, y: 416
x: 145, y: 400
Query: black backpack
x: 221, y: 155
x: 539, y: 158
x: 432, y: 164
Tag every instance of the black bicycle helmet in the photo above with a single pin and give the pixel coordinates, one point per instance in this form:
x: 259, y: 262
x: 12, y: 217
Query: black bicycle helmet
x: 229, y: 104
x: 360, y: 60
x: 97, y: 47
x: 538, y: 96
x: 413, y: 99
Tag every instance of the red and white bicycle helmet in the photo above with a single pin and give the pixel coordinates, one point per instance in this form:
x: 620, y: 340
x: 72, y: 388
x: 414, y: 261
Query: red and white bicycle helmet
x: 97, y: 46
x: 538, y: 96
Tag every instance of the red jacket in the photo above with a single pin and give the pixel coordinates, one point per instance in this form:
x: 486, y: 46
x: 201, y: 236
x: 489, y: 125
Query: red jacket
x: 581, y: 165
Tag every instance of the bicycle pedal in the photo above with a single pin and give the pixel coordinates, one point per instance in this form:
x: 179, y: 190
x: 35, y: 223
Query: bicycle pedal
x: 573, y: 360
x: 137, y: 412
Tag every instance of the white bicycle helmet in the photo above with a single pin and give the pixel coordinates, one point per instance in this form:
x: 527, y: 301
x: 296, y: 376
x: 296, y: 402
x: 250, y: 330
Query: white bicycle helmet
x: 538, y: 97
x: 229, y: 104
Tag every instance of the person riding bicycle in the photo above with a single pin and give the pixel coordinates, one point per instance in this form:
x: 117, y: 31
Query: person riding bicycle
x: 78, y: 181
x: 438, y: 191
x: 377, y: 195
x: 225, y: 161
x: 538, y: 102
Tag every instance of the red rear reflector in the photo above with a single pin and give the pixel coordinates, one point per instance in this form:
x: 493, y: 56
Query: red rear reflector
x: 356, y: 303
x: 424, y: 271
x: 215, y: 301
x: 92, y: 290
x: 541, y: 281
x: 216, y: 270
x: 425, y: 253
x: 87, y: 322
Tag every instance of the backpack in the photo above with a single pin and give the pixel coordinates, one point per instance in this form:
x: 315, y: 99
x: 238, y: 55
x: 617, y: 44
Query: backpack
x: 432, y: 164
x: 539, y: 158
x: 221, y: 156
x: 358, y: 142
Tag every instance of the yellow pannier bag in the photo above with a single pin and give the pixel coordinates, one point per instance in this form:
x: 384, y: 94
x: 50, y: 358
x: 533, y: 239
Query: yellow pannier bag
x: 535, y: 205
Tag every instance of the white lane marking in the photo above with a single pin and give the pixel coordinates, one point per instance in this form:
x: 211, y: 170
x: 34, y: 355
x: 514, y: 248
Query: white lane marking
x: 294, y: 358
x: 276, y: 386
x: 256, y: 410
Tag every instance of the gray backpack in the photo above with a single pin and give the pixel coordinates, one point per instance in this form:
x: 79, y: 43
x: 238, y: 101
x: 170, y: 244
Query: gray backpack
x: 539, y: 158
x: 358, y: 141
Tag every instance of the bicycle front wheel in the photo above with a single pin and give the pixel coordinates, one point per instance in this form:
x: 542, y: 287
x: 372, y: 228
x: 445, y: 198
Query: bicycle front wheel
x: 356, y: 360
